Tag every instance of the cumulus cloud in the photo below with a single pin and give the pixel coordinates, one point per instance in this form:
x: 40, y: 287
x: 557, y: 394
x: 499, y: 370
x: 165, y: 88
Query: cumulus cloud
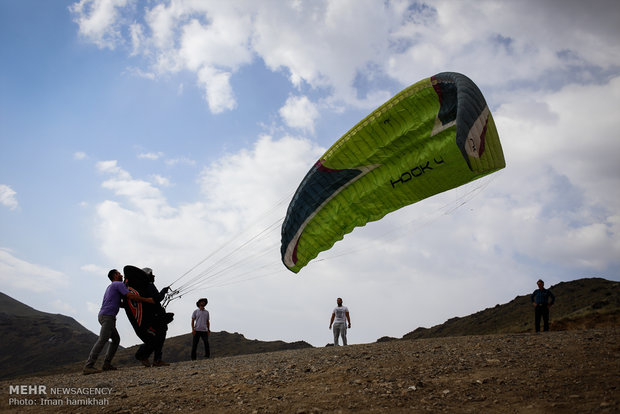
x: 251, y: 181
x: 299, y: 112
x: 139, y: 221
x: 472, y: 34
x: 160, y: 180
x: 559, y: 165
x: 396, y: 40
x: 7, y: 197
x: 79, y: 155
x: 94, y: 269
x: 218, y: 91
x: 150, y: 155
x: 20, y: 274
x: 63, y: 307
x: 93, y: 308
x: 180, y: 160
x: 142, y: 195
x: 100, y: 21
x: 306, y: 40
x: 569, y: 131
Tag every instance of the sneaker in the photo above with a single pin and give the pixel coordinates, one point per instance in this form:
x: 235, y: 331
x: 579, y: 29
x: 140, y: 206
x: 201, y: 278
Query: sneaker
x: 108, y: 367
x: 160, y: 364
x: 90, y: 370
x: 146, y: 362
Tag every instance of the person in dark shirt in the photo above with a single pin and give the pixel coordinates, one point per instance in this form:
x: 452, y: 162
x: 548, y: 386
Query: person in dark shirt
x: 542, y: 299
x: 155, y: 345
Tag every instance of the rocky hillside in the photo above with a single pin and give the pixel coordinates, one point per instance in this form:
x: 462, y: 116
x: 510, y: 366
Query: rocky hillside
x: 554, y: 372
x: 579, y: 304
x: 33, y: 341
x: 221, y: 344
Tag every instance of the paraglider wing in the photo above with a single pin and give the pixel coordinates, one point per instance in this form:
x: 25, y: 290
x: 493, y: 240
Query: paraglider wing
x: 435, y: 135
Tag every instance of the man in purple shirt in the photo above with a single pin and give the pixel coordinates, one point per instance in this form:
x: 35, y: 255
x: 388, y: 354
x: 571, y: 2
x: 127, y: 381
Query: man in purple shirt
x: 107, y: 318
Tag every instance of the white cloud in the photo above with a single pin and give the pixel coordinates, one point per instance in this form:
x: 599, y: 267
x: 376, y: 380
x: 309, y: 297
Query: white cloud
x: 240, y: 185
x: 79, y: 155
x: 7, y: 197
x: 111, y: 167
x: 223, y: 40
x: 93, y: 307
x: 137, y: 37
x: 63, y: 307
x: 94, y: 269
x: 471, y: 34
x: 20, y: 274
x: 215, y: 41
x: 299, y: 112
x: 141, y: 73
x: 332, y: 44
x: 218, y: 92
x: 307, y: 40
x: 160, y: 180
x: 562, y: 161
x: 141, y: 194
x: 150, y: 155
x: 252, y: 181
x: 180, y: 160
x: 208, y: 39
x: 571, y: 133
x: 335, y: 44
x: 99, y: 21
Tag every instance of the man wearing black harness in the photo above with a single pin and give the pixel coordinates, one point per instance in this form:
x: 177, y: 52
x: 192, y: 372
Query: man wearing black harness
x: 156, y: 343
x: 542, y: 299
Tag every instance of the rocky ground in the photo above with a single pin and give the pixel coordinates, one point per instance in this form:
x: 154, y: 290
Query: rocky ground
x: 554, y: 372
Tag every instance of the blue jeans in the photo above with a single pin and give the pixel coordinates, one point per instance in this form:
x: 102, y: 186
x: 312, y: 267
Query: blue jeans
x: 108, y: 331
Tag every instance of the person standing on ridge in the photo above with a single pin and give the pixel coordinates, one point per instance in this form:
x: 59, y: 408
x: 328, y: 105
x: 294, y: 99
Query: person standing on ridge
x: 201, y: 327
x: 542, y: 299
x: 340, y: 317
x: 107, y: 318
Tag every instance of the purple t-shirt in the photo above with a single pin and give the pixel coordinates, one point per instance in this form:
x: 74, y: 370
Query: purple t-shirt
x: 112, y: 298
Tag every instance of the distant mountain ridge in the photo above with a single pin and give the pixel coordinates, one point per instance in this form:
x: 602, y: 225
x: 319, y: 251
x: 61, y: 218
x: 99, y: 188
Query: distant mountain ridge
x: 35, y: 341
x: 221, y: 344
x: 579, y: 304
x: 39, y: 342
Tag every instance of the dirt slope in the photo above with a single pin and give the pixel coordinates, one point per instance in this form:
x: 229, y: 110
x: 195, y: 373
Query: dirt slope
x: 554, y: 372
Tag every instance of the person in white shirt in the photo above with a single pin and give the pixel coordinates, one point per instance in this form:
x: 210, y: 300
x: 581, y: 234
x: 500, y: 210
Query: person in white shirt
x: 340, y: 317
x: 201, y: 327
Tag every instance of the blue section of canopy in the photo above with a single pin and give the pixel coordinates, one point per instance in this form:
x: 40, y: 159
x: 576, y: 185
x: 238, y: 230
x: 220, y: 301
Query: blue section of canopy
x: 317, y: 186
x: 459, y: 96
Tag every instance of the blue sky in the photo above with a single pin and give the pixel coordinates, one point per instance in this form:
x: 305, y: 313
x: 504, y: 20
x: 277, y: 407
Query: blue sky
x: 154, y: 133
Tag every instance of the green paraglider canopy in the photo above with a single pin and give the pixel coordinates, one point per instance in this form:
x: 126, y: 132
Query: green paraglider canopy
x: 435, y: 135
